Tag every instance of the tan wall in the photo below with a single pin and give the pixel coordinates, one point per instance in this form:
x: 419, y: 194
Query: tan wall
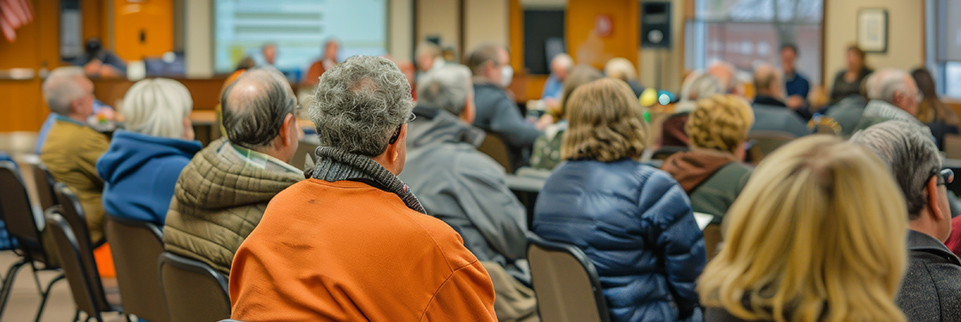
x: 438, y: 18
x: 401, y: 29
x: 905, y: 34
x: 486, y: 21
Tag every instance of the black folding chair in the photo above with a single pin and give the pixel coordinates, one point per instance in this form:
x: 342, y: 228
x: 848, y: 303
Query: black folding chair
x: 72, y: 211
x: 194, y: 290
x: 44, y: 182
x: 22, y: 224
x: 566, y: 283
x: 81, y: 271
x: 135, y: 246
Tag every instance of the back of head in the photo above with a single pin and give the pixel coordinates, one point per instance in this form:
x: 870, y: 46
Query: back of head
x: 817, y: 235
x: 925, y: 82
x: 359, y: 104
x: 580, y: 75
x: 606, y: 123
x: 726, y: 74
x: 720, y: 122
x: 255, y: 105
x: 427, y: 49
x: 765, y: 77
x: 447, y: 87
x: 484, y: 53
x: 911, y: 155
x: 157, y: 107
x: 889, y: 82
x: 620, y: 68
x: 62, y: 87
x: 701, y: 86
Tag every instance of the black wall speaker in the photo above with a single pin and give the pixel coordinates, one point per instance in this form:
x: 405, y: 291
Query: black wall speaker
x: 655, y: 24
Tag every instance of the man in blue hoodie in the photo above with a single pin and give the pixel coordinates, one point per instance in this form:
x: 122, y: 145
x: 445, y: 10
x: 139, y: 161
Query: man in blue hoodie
x: 141, y: 167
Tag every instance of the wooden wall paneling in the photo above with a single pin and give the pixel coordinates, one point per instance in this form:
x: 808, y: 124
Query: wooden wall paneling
x: 516, y: 17
x: 152, y: 20
x: 38, y: 41
x: 204, y: 92
x: 586, y: 46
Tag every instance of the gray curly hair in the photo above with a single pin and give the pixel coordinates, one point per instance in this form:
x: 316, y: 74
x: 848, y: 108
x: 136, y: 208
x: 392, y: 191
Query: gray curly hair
x: 359, y: 103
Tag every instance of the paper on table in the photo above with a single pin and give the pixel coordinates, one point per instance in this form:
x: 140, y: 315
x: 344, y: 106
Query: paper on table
x: 702, y: 219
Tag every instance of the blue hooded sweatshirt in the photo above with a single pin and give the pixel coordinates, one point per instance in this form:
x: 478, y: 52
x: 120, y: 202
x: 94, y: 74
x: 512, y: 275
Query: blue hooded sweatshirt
x: 140, y: 172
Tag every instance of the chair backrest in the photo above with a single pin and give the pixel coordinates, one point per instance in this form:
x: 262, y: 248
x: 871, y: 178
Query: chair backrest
x: 68, y: 247
x: 135, y: 246
x: 71, y: 211
x: 44, y: 182
x: 18, y: 215
x: 566, y: 283
x: 712, y: 239
x: 494, y: 147
x: 766, y: 142
x: 194, y: 290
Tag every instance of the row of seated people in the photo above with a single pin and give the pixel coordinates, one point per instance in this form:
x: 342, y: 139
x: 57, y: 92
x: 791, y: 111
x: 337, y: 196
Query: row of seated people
x: 352, y: 239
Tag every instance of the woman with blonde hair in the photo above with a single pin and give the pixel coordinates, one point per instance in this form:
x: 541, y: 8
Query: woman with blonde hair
x: 818, y: 234
x: 711, y: 172
x: 144, y: 161
x: 633, y: 221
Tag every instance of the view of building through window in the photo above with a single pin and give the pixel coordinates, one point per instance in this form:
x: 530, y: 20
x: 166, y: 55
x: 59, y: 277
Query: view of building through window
x: 745, y: 32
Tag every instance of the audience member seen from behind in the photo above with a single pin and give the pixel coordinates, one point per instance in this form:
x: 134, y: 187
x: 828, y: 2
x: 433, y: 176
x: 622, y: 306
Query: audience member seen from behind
x: 940, y: 118
x: 931, y: 289
x: 893, y: 96
x: 466, y: 188
x: 326, y: 62
x: 100, y: 62
x: 848, y: 111
x: 352, y: 242
x: 561, y: 65
x: 547, y: 148
x: 712, y: 172
x: 496, y: 110
x: 848, y: 81
x: 141, y: 167
x: 770, y: 112
x: 696, y: 87
x: 726, y: 74
x: 817, y: 235
x: 633, y: 221
x: 796, y: 86
x: 427, y: 57
x: 222, y: 193
x: 72, y: 148
x: 623, y: 69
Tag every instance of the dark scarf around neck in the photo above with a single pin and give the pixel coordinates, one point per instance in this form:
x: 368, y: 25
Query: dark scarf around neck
x: 334, y: 164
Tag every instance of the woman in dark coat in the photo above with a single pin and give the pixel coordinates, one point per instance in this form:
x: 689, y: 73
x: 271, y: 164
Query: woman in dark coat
x: 633, y: 221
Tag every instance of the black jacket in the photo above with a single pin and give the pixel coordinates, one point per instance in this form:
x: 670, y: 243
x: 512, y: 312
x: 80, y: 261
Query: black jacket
x: 931, y: 288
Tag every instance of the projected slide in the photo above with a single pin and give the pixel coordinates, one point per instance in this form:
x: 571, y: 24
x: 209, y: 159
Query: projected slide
x: 298, y: 27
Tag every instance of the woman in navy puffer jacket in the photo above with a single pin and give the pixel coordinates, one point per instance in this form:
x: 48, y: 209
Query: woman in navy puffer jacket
x: 633, y: 221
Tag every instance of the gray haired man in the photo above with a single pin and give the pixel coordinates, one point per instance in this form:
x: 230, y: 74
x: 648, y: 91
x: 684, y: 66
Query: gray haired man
x: 931, y: 289
x: 466, y: 188
x: 221, y: 194
x: 893, y: 95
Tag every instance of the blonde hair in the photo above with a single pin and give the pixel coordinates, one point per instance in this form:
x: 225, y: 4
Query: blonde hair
x: 620, y: 68
x: 720, y: 122
x: 606, y: 123
x: 817, y: 235
x: 157, y: 107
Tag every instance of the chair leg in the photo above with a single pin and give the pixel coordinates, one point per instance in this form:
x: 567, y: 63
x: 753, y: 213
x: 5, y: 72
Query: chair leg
x: 76, y: 316
x: 46, y: 295
x: 8, y: 283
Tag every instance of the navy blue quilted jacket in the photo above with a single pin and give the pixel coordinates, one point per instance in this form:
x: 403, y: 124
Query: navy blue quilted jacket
x: 635, y: 224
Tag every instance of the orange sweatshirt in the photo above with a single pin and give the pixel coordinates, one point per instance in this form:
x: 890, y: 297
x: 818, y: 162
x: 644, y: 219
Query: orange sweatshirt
x: 346, y: 251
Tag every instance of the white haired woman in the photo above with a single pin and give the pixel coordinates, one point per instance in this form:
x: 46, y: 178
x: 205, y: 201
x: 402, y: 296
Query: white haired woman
x: 144, y: 161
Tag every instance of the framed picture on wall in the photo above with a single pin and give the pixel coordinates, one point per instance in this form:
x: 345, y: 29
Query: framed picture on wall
x: 873, y: 30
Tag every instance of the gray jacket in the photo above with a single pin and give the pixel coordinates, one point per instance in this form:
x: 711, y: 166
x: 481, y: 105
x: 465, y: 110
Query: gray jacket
x: 931, y: 288
x: 878, y: 111
x: 497, y: 113
x: 776, y: 118
x: 848, y: 113
x: 466, y: 189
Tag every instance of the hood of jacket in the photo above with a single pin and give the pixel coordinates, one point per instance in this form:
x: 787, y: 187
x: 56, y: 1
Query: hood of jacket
x: 691, y: 168
x: 130, y: 151
x: 434, y: 125
x: 219, y: 178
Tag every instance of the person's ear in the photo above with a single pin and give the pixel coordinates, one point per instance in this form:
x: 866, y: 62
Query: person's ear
x: 934, y: 201
x: 188, y: 129
x: 286, y: 134
x: 469, y: 112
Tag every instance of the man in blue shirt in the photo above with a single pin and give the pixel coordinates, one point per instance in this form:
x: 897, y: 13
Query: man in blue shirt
x: 796, y: 85
x: 561, y: 65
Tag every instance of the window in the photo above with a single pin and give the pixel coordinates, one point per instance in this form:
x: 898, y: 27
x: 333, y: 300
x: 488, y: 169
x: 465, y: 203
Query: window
x: 299, y: 28
x: 744, y: 32
x: 944, y: 46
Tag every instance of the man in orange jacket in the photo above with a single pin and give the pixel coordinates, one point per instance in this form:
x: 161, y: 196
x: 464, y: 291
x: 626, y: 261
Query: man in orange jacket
x: 352, y: 243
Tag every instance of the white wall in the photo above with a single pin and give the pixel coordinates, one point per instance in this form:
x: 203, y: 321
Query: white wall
x: 905, y: 34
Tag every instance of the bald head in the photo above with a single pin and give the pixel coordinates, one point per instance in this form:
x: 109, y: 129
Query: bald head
x: 767, y: 81
x: 897, y: 87
x: 725, y: 73
x: 255, y: 107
